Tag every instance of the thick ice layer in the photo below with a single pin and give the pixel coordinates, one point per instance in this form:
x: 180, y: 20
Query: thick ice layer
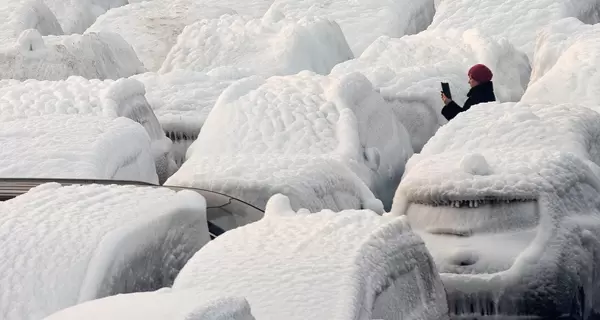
x: 75, y: 16
x: 111, y: 99
x: 159, y: 305
x: 152, y: 27
x: 287, y: 120
x: 566, y: 65
x: 505, y: 151
x: 66, y: 245
x: 68, y: 146
x: 273, y: 45
x: 363, y: 21
x: 526, y: 17
x: 182, y: 99
x: 408, y: 71
x: 505, y: 197
x: 328, y: 265
x: 92, y: 56
x: 17, y: 16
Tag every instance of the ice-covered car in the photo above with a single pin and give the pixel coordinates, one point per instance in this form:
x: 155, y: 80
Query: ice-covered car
x: 506, y: 198
x: 107, y: 99
x: 326, y: 142
x: 291, y: 265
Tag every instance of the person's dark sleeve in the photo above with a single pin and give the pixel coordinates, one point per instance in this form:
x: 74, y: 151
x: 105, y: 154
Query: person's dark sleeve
x: 451, y: 110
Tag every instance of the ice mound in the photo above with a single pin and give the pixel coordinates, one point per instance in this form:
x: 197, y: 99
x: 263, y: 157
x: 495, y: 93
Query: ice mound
x: 182, y: 100
x: 67, y: 146
x: 268, y: 46
x: 72, y: 244
x: 110, y: 99
x: 262, y: 133
x: 152, y: 27
x: 327, y: 265
x: 92, y: 56
x: 75, y: 16
x: 159, y: 305
x: 524, y: 160
x: 363, y: 21
x: 408, y: 72
x: 526, y: 17
x: 566, y: 65
x: 505, y: 197
x: 17, y: 16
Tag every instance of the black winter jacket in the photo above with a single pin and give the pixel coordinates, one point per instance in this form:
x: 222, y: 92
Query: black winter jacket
x: 483, y: 92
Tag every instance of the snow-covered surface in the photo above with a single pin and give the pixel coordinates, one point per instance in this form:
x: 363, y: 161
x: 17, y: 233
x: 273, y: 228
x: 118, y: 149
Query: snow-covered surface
x: 76, y: 95
x: 92, y: 56
x: 295, y: 265
x: 17, y: 16
x: 72, y: 244
x: 75, y: 16
x: 273, y: 45
x: 160, y: 305
x: 566, y: 65
x: 152, y: 27
x: 363, y: 21
x: 408, y: 71
x: 182, y: 99
x: 519, y: 185
x: 327, y: 265
x: 66, y: 146
x: 304, y: 135
x: 526, y: 18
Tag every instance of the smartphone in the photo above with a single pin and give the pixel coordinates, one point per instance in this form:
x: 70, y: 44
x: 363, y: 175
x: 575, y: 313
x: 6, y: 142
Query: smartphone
x: 446, y: 90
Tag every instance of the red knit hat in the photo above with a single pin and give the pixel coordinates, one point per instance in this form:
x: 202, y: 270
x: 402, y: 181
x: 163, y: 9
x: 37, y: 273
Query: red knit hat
x: 480, y: 73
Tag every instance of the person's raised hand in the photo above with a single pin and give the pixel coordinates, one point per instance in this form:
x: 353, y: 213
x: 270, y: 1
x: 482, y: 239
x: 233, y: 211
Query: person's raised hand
x: 445, y: 99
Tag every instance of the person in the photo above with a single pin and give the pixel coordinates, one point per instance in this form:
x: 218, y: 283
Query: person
x: 482, y: 90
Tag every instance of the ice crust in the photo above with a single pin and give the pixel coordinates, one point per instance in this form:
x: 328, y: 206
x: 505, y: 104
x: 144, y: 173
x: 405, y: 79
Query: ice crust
x: 566, y: 65
x: 276, y: 133
x: 17, y: 16
x: 523, y: 160
x: 159, y: 305
x: 352, y: 264
x: 526, y: 17
x: 76, y: 243
x: 363, y: 21
x: 66, y: 146
x: 75, y: 16
x: 79, y: 96
x: 273, y: 45
x: 506, y: 198
x: 92, y: 56
x: 408, y: 72
x: 152, y: 27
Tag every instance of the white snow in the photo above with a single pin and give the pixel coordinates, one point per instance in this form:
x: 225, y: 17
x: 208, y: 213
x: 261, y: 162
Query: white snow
x: 159, y: 305
x: 363, y: 21
x: 76, y: 243
x: 273, y: 45
x: 17, y: 16
x: 323, y: 141
x: 93, y: 56
x: 566, y: 65
x: 183, y: 99
x: 292, y: 265
x: 67, y: 146
x: 152, y: 27
x: 75, y: 16
x: 408, y: 72
x: 110, y: 99
x: 515, y: 20
x: 502, y: 196
x: 352, y: 264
